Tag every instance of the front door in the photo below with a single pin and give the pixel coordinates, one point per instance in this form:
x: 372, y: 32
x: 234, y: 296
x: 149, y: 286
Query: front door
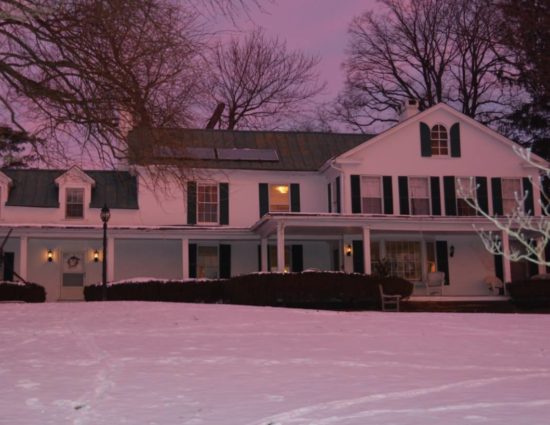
x: 72, y: 276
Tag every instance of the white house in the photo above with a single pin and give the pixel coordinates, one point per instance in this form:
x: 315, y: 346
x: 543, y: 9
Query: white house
x: 284, y: 201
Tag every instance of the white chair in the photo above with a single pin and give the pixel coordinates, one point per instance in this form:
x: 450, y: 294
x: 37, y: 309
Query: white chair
x: 388, y: 302
x: 434, y: 283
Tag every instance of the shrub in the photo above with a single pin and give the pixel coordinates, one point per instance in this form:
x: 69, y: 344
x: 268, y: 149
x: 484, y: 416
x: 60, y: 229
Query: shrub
x: 28, y: 292
x: 530, y: 293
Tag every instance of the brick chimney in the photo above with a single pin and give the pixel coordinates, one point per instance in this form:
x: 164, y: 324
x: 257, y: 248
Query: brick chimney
x: 409, y: 109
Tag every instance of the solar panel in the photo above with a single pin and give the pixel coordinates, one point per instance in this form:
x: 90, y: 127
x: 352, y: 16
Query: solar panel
x: 199, y: 153
x: 246, y: 154
x: 184, y: 153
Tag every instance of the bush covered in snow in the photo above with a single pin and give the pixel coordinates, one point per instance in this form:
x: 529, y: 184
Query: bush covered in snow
x: 530, y: 293
x: 28, y: 292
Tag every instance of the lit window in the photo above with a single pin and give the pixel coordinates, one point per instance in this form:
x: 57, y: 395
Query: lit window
x: 272, y: 260
x: 207, y: 203
x: 439, y: 139
x: 74, y: 203
x: 465, y: 191
x: 371, y: 195
x: 279, y: 198
x: 405, y: 259
x: 511, y: 188
x: 419, y: 192
x: 207, y: 262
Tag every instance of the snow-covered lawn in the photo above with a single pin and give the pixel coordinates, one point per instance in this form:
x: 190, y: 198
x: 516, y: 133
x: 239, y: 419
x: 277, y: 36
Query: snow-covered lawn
x: 162, y: 363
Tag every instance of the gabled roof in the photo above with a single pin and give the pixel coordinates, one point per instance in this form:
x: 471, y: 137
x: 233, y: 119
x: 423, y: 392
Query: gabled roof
x: 38, y: 188
x: 75, y: 173
x: 296, y: 151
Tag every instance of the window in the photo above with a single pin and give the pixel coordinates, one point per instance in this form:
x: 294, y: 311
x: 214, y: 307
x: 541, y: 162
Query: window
x: 419, y: 191
x: 465, y: 190
x: 207, y: 203
x: 207, y: 262
x: 74, y: 203
x: 439, y: 139
x: 371, y: 195
x: 405, y: 259
x: 279, y: 198
x: 511, y: 191
x: 272, y: 258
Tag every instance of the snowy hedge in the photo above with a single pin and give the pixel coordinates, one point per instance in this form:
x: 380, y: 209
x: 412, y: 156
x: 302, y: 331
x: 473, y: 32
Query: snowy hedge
x: 28, y: 292
x: 530, y: 293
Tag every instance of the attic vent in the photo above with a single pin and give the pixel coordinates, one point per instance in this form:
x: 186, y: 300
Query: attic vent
x: 248, y: 154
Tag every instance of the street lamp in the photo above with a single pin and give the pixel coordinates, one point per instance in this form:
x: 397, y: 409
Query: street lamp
x: 105, y: 216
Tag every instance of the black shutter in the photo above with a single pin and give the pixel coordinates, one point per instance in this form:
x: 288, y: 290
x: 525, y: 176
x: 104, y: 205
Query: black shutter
x: 499, y: 266
x: 482, y: 194
x: 264, y: 199
x: 436, y: 195
x: 425, y: 140
x: 259, y: 258
x: 224, y: 203
x: 455, y: 140
x: 225, y: 261
x: 529, y: 204
x: 358, y: 260
x: 450, y: 195
x: 441, y: 254
x: 338, y: 196
x: 547, y: 256
x: 403, y: 195
x: 192, y: 260
x: 388, y: 194
x: 496, y: 188
x: 294, y: 197
x: 355, y: 194
x: 8, y: 266
x: 191, y: 202
x: 297, y: 252
x: 329, y: 197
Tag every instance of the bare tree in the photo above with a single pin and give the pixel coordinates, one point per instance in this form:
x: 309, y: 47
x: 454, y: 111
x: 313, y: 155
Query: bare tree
x: 430, y: 50
x: 260, y: 81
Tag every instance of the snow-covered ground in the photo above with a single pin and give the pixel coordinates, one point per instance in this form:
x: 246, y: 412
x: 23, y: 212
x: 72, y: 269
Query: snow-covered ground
x: 162, y: 363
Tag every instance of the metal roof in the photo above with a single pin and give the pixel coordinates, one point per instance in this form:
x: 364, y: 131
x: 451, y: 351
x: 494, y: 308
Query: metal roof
x: 296, y: 151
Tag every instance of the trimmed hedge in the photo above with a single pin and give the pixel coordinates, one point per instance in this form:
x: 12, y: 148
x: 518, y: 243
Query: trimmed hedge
x: 308, y: 289
x: 28, y: 292
x: 530, y: 293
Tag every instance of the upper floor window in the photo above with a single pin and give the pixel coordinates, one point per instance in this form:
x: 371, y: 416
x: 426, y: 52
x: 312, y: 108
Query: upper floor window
x: 465, y: 196
x: 74, y: 204
x: 207, y: 203
x: 419, y: 191
x: 439, y: 140
x: 511, y: 192
x: 279, y: 198
x: 371, y: 195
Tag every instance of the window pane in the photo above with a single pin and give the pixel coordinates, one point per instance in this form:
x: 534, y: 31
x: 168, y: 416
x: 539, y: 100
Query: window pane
x: 465, y: 189
x: 419, y: 193
x: 279, y: 198
x: 439, y: 140
x: 405, y: 259
x: 371, y: 195
x: 74, y: 207
x: 207, y: 262
x: 511, y: 188
x: 207, y: 203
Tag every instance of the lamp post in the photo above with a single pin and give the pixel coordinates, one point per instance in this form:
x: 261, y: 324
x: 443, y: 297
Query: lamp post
x: 105, y: 216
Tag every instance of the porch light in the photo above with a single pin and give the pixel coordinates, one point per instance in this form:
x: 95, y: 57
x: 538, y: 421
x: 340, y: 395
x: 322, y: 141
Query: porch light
x: 283, y: 189
x: 348, y: 250
x: 50, y: 256
x: 96, y: 256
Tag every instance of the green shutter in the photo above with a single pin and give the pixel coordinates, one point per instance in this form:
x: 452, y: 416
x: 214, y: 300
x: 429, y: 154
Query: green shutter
x: 425, y: 140
x: 496, y: 188
x: 294, y: 197
x: 297, y: 255
x: 388, y: 194
x: 455, y: 140
x: 225, y: 261
x: 355, y: 194
x: 403, y: 195
x: 191, y: 202
x: 224, y: 203
x: 528, y: 205
x: 338, y: 196
x: 450, y: 195
x: 482, y: 194
x: 358, y: 260
x: 441, y: 255
x: 192, y: 260
x: 264, y: 199
x: 436, y: 196
x: 329, y: 197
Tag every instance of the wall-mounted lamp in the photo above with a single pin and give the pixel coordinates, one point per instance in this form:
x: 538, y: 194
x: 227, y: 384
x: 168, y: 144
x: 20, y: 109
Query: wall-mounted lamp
x: 96, y: 256
x: 452, y: 251
x: 50, y: 256
x: 348, y: 250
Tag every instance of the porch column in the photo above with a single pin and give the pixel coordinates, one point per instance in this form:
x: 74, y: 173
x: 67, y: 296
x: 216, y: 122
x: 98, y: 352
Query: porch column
x: 185, y: 258
x: 110, y: 259
x: 542, y: 266
x: 505, y: 259
x: 280, y: 247
x: 366, y: 250
x: 23, y: 256
x: 263, y: 254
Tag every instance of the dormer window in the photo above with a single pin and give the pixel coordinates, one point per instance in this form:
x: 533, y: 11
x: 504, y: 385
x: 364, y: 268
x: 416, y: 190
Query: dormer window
x: 74, y: 206
x: 439, y: 140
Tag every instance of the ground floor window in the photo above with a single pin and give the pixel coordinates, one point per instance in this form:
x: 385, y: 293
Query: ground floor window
x: 272, y: 258
x: 207, y: 262
x: 405, y: 259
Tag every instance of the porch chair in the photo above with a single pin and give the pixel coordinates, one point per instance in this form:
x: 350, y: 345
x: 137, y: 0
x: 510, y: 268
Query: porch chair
x: 388, y: 302
x: 434, y: 283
